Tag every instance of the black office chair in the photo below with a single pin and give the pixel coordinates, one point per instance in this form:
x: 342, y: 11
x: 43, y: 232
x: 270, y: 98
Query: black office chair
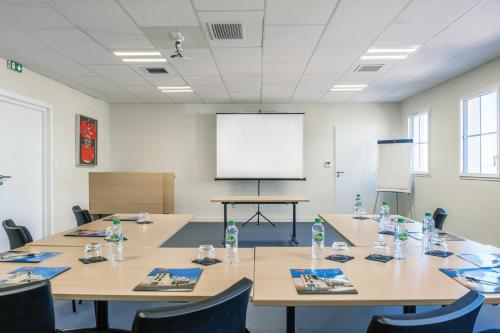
x: 439, y: 217
x: 223, y: 313
x: 82, y: 215
x: 458, y: 317
x: 18, y: 235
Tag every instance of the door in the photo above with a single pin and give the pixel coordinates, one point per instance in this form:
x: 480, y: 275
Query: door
x: 22, y: 158
x: 355, y: 166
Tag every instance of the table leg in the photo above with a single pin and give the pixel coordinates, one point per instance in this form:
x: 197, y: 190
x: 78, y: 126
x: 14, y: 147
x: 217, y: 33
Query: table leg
x: 294, y: 224
x: 409, y: 309
x: 290, y: 319
x: 101, y: 315
x: 225, y: 224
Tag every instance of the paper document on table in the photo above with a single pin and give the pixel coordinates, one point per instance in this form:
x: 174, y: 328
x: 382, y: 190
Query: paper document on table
x: 321, y: 281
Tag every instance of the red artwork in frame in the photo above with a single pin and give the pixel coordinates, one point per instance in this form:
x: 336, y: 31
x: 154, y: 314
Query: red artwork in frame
x: 86, y: 141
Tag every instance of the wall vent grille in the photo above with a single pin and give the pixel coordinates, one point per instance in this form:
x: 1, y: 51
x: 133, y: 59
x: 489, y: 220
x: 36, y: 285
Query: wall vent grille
x: 225, y: 31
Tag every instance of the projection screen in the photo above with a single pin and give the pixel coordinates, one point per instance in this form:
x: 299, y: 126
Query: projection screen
x: 260, y: 146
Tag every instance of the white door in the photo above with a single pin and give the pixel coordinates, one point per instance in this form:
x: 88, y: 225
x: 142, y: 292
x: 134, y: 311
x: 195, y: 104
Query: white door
x: 355, y: 166
x: 22, y: 158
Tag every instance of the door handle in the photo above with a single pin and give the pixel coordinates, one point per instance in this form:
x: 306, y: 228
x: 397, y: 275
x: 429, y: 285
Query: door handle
x: 339, y: 173
x: 3, y: 177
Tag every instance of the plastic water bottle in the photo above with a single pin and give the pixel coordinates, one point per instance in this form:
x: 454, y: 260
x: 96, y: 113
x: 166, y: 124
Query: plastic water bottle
x: 357, y: 205
x: 385, y: 219
x: 231, y: 243
x: 318, y: 239
x: 400, y: 239
x: 428, y: 229
x: 116, y: 241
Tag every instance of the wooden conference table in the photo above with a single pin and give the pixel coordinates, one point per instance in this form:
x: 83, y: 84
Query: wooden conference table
x: 263, y: 199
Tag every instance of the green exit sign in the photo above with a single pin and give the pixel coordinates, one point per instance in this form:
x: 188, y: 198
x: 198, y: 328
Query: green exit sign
x: 15, y: 66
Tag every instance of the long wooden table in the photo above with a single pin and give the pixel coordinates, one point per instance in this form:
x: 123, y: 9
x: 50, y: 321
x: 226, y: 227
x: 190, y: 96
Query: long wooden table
x: 155, y: 234
x: 263, y: 199
x: 413, y: 281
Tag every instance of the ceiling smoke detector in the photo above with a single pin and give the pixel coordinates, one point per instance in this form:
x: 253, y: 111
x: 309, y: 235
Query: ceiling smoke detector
x: 369, y: 68
x: 225, y: 31
x: 155, y: 70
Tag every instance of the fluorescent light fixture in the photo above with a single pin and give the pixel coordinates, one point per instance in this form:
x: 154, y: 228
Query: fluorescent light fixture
x: 381, y: 57
x: 408, y: 50
x: 175, y: 88
x: 136, y: 53
x: 148, y: 60
x: 346, y: 89
x: 350, y: 86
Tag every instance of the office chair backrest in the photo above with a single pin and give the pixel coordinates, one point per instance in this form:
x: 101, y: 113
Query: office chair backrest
x: 18, y: 235
x: 27, y: 308
x: 458, y: 317
x: 439, y: 217
x: 82, y: 215
x: 223, y: 313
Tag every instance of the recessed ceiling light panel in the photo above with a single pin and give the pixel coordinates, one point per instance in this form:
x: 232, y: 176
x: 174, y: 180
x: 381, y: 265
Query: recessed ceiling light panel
x: 144, y: 60
x: 384, y: 57
x: 136, y: 53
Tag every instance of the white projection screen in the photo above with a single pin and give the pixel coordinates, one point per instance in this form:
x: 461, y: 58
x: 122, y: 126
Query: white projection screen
x: 260, y: 146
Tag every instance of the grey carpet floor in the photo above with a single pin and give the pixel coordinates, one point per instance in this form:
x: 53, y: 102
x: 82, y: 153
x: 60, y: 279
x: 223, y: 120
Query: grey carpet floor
x: 259, y: 319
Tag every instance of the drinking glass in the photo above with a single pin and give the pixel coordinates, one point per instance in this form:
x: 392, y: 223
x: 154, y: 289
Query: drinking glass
x: 206, y: 251
x: 439, y: 242
x: 92, y: 250
x: 340, y: 249
x: 381, y: 249
x: 143, y: 217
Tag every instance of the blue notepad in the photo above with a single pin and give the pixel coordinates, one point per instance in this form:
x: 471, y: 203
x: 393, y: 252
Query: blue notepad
x: 321, y: 281
x: 170, y: 279
x: 27, y: 274
x: 482, y: 279
x: 27, y: 256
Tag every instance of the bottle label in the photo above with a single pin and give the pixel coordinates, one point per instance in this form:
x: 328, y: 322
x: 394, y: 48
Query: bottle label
x: 403, y: 236
x: 115, y: 238
x: 318, y: 236
x: 230, y: 239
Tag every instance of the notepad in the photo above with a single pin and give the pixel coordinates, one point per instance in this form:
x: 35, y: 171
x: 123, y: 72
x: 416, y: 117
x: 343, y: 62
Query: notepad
x: 27, y: 256
x: 482, y: 279
x: 321, y: 281
x: 28, y: 274
x: 170, y: 279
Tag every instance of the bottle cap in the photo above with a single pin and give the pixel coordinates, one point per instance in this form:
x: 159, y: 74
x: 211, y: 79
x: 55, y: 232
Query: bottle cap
x: 317, y: 220
x: 428, y: 214
x: 401, y: 220
x: 231, y: 222
x: 358, y: 195
x: 384, y: 203
x: 116, y: 221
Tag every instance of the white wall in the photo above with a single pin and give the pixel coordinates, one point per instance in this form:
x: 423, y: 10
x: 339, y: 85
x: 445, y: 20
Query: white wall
x: 181, y: 138
x: 70, y: 183
x: 472, y: 204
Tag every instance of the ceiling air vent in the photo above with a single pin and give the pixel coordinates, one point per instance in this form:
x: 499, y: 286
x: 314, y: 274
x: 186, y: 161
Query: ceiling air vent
x: 225, y: 31
x: 155, y: 70
x: 368, y: 68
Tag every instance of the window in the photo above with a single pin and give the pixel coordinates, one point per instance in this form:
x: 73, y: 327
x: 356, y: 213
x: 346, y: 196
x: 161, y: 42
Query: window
x: 418, y: 130
x: 479, y: 141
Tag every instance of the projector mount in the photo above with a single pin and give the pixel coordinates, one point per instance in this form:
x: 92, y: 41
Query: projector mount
x: 179, y: 38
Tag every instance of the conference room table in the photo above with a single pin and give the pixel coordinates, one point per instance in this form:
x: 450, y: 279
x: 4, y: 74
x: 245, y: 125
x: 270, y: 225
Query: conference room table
x: 114, y: 281
x: 410, y: 282
x: 294, y: 200
x: 154, y: 234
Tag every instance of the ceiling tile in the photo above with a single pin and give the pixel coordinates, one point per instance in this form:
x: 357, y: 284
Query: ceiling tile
x: 125, y: 98
x: 486, y: 50
x: 242, y: 83
x: 252, y: 27
x: 14, y: 39
x: 105, y: 21
x: 55, y: 62
x: 162, y: 38
x: 282, y: 73
x: 359, y: 22
x: 316, y: 83
x: 149, y: 94
x: 277, y: 93
x: 245, y: 98
x: 299, y: 11
x: 203, y: 80
x: 338, y: 96
x: 334, y: 59
x: 196, y: 62
x: 161, y: 13
x: 213, y: 94
x: 76, y: 45
x: 118, y: 74
x: 236, y: 61
x: 185, y: 98
x: 98, y: 84
x: 290, y: 43
x: 444, y: 11
x: 408, y: 34
x: 306, y: 97
x: 32, y: 15
x: 229, y: 5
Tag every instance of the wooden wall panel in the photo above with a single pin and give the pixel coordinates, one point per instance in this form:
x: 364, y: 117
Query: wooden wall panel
x: 131, y: 192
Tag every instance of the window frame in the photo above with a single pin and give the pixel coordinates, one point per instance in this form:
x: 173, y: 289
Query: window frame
x: 411, y: 118
x: 462, y: 146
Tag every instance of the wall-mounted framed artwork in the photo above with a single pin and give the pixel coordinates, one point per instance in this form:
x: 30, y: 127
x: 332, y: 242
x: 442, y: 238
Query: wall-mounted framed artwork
x: 86, y: 141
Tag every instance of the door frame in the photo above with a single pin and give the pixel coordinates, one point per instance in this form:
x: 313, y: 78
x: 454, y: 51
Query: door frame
x: 47, y: 148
